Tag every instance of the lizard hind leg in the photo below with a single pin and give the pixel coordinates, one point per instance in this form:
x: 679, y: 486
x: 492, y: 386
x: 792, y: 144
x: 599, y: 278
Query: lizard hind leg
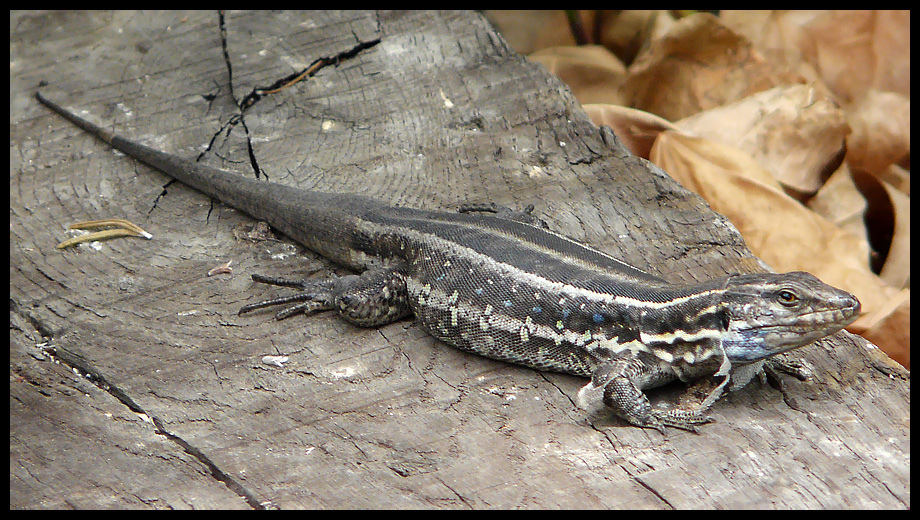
x: 375, y: 297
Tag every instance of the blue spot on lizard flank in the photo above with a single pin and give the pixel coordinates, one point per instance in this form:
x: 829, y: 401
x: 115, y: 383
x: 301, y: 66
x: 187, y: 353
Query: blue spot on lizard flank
x: 598, y: 318
x: 537, y: 309
x: 507, y: 303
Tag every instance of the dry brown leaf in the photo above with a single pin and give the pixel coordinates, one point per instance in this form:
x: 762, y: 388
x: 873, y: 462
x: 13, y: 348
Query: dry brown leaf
x: 776, y: 32
x: 889, y: 217
x: 792, y: 131
x: 888, y: 221
x: 896, y: 271
x: 855, y: 51
x: 776, y: 227
x: 897, y: 177
x: 779, y: 37
x: 881, y: 131
x: 889, y: 328
x: 697, y: 65
x: 841, y: 203
x: 530, y: 30
x: 628, y: 31
x: 851, y: 51
x: 637, y: 129
x: 592, y: 72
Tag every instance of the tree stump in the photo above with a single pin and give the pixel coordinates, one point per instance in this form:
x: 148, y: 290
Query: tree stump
x: 135, y: 384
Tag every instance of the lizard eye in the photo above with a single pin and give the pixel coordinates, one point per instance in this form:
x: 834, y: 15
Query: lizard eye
x: 787, y: 298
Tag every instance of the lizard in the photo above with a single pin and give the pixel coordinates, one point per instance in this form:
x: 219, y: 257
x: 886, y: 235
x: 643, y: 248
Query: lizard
x: 498, y: 283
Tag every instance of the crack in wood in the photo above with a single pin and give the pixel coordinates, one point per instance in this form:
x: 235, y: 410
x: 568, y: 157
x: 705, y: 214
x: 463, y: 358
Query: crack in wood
x: 82, y: 368
x: 257, y: 93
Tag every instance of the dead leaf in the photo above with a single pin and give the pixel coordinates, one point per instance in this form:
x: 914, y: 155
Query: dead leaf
x: 887, y: 324
x: 881, y: 131
x: 841, y: 203
x: 592, y: 72
x: 850, y: 51
x: 854, y: 51
x: 635, y: 128
x: 530, y: 30
x: 889, y: 328
x: 792, y: 131
x: 888, y: 223
x: 697, y: 65
x: 896, y: 271
x: 776, y: 227
x: 897, y: 177
x: 627, y: 32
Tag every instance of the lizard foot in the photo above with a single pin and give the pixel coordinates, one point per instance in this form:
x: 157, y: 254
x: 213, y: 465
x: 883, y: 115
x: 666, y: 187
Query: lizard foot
x: 683, y: 419
x: 314, y: 296
x: 375, y: 297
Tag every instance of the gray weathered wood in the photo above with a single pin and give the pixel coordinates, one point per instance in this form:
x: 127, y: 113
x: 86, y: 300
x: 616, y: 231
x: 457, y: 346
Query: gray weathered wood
x: 179, y: 409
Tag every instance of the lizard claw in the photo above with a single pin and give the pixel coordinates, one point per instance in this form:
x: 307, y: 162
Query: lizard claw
x: 315, y: 296
x: 682, y: 419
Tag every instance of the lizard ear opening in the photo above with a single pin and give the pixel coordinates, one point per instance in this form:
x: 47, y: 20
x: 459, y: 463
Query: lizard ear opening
x: 725, y: 318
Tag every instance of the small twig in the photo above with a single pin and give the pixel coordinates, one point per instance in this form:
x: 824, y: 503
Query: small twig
x: 307, y: 72
x: 222, y: 269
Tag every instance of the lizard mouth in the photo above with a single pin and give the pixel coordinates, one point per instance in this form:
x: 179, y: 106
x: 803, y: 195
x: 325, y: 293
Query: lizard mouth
x: 760, y: 342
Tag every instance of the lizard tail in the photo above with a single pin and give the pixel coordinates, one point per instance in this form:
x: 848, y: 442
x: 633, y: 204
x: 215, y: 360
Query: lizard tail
x: 96, y: 130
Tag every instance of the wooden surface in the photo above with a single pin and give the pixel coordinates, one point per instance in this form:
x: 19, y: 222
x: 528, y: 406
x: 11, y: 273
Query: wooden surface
x: 133, y: 382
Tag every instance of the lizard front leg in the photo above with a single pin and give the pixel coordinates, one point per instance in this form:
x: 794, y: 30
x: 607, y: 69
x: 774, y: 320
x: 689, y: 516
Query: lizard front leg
x: 618, y: 385
x: 769, y: 369
x: 375, y: 297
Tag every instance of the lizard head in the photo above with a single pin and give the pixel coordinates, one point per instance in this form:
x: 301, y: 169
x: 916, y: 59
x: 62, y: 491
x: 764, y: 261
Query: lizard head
x: 769, y: 313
